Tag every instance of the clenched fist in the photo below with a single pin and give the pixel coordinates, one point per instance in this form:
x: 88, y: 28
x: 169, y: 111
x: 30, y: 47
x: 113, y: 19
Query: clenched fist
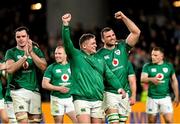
x: 66, y: 18
x: 119, y: 15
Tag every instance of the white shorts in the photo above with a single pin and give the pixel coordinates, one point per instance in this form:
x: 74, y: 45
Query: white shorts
x: 10, y: 112
x: 92, y: 108
x: 2, y: 103
x: 115, y: 101
x: 154, y: 106
x: 61, y: 106
x: 26, y: 101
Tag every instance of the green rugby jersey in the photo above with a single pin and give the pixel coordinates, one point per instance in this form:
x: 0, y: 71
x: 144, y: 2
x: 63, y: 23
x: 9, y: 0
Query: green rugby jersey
x: 59, y: 75
x: 25, y: 77
x: 117, y: 60
x: 164, y: 73
x: 88, y: 72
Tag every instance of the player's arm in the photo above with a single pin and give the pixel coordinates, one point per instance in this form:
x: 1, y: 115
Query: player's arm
x: 112, y: 79
x: 132, y: 82
x: 66, y: 38
x: 133, y: 37
x: 39, y: 62
x: 146, y: 79
x: 47, y: 85
x: 174, y: 84
x: 12, y: 66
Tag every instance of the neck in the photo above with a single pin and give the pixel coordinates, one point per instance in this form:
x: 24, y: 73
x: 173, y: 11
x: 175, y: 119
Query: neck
x: 63, y: 63
x: 109, y: 47
x: 86, y: 52
x: 161, y: 62
x: 21, y: 48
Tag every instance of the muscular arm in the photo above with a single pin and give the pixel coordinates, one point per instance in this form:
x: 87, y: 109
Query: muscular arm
x: 146, y: 79
x: 133, y: 37
x: 134, y: 30
x: 12, y: 66
x: 111, y: 78
x: 132, y: 82
x: 39, y: 62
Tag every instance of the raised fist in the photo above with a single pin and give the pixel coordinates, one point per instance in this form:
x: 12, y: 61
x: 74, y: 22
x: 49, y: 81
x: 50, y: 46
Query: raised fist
x: 119, y: 15
x: 66, y: 18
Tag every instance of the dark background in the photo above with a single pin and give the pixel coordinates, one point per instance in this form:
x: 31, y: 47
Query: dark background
x: 158, y: 20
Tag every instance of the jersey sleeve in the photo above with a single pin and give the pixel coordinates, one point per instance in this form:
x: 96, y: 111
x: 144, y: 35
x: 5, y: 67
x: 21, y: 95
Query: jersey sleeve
x: 68, y: 45
x: 145, y: 69
x: 130, y: 69
x: 48, y: 72
x: 9, y: 55
x: 126, y: 45
x: 39, y: 52
x: 172, y: 69
x: 111, y: 78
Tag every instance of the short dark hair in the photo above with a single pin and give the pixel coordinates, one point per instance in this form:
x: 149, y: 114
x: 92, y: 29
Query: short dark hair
x: 85, y: 37
x: 158, y: 49
x: 106, y: 29
x: 22, y: 28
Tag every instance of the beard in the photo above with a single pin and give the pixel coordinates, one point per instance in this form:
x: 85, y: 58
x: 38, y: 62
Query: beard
x: 111, y: 44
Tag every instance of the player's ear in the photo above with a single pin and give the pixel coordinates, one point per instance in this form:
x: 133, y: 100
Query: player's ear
x: 84, y: 46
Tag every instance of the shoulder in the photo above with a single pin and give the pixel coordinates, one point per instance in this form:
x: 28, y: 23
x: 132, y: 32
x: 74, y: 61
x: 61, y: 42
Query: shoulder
x: 51, y: 65
x: 35, y: 48
x: 147, y: 65
x: 169, y: 64
x: 121, y: 42
x: 12, y: 49
x: 100, y: 51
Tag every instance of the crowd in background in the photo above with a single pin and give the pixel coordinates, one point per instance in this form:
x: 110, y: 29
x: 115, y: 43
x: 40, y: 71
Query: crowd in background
x: 157, y: 29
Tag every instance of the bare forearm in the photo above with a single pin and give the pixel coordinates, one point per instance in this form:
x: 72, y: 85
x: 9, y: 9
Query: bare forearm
x: 144, y: 79
x: 133, y: 89
x: 40, y: 63
x: 131, y: 25
x: 175, y: 89
x: 133, y: 37
x: 132, y: 83
x: 50, y: 87
x: 11, y: 68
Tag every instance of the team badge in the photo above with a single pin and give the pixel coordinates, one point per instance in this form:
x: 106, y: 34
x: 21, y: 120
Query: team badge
x: 58, y: 70
x: 118, y: 52
x: 165, y: 70
x: 65, y: 77
x: 160, y: 76
x: 153, y: 70
x: 115, y: 62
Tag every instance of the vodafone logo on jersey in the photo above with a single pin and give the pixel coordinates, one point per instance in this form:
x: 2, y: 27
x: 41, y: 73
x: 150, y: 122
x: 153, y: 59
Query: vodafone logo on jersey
x: 65, y: 77
x: 115, y: 62
x: 160, y: 76
x: 25, y: 65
